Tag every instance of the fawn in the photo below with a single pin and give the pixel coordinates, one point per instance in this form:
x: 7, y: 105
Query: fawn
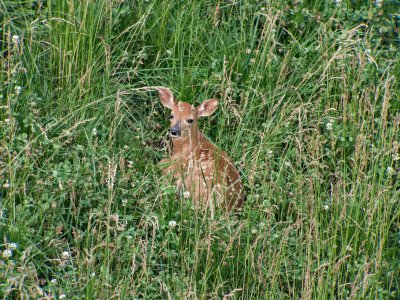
x: 198, y: 167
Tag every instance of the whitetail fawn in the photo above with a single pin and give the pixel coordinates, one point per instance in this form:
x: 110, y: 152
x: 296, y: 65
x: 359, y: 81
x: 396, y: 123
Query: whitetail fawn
x: 198, y: 167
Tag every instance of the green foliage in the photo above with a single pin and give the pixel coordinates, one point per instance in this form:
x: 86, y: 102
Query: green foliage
x: 309, y: 112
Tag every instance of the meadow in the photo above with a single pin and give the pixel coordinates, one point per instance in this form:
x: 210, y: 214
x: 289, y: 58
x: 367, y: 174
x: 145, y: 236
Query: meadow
x: 309, y: 111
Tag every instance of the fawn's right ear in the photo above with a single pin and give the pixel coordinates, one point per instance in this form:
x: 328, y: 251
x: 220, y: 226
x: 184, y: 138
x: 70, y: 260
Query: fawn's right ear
x: 166, y: 97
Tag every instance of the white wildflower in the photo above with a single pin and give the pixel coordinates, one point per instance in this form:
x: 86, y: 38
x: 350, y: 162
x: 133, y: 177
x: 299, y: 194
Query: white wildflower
x: 378, y: 3
x: 186, y: 194
x: 326, y: 207
x: 6, y: 186
x: 389, y: 170
x: 94, y: 131
x: 172, y: 224
x: 269, y: 152
x: 62, y: 296
x: 65, y: 255
x: 12, y: 246
x: 18, y: 90
x: 124, y: 202
x: 15, y: 39
x: 7, y: 253
x: 329, y: 126
x: 396, y: 157
x: 254, y: 231
x: 54, y: 281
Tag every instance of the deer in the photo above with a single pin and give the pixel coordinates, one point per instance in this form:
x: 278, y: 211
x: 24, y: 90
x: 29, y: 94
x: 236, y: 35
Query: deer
x: 199, y: 169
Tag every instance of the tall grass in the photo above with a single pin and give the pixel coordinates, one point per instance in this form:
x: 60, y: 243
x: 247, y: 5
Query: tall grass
x: 309, y: 111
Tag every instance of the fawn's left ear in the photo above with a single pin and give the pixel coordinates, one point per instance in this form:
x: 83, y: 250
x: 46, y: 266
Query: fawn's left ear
x: 166, y: 97
x: 207, y: 108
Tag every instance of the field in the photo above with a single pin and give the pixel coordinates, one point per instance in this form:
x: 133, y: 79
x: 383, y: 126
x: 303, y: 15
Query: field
x: 309, y: 110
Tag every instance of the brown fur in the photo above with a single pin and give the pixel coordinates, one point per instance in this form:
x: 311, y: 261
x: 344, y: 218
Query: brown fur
x: 197, y: 165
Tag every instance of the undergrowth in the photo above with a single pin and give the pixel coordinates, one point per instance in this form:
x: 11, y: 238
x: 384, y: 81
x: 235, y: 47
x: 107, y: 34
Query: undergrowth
x: 309, y: 112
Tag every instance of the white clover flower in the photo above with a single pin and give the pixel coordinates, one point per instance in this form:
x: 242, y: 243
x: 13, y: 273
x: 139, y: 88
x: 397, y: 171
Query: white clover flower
x: 389, y: 170
x: 62, y: 296
x: 168, y: 52
x: 329, y: 126
x: 326, y: 207
x: 287, y: 164
x: 269, y: 152
x: 15, y: 39
x: 378, y: 3
x: 396, y: 157
x: 12, y: 246
x: 7, y: 253
x: 186, y: 194
x: 94, y: 131
x: 172, y: 224
x: 254, y: 231
x: 54, y: 281
x: 18, y: 90
x: 124, y: 202
x: 65, y: 255
x: 248, y: 50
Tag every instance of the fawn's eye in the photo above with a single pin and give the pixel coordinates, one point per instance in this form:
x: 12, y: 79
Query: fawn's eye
x: 171, y: 116
x: 190, y: 121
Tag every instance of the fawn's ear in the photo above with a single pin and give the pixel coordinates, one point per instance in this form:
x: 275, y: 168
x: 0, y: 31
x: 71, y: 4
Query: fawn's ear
x: 166, y: 97
x: 207, y: 108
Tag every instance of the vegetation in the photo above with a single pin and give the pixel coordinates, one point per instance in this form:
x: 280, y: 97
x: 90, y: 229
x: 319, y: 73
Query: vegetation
x: 309, y: 111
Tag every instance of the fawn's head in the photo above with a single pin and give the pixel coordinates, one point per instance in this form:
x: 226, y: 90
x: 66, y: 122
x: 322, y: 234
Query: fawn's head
x: 184, y: 116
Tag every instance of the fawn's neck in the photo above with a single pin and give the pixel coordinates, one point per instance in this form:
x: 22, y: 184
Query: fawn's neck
x: 189, y: 145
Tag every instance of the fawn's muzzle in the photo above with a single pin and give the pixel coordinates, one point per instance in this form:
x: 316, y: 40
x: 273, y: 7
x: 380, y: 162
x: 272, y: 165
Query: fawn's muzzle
x: 175, y: 131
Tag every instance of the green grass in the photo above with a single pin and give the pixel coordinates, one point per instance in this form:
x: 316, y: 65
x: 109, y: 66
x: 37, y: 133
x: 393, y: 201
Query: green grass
x: 309, y: 111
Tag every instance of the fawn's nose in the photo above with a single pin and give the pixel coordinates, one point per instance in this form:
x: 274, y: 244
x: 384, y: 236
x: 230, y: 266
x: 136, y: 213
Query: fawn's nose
x: 175, y: 131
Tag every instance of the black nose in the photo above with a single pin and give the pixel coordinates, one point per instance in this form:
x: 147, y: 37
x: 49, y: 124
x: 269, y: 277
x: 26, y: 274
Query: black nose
x: 175, y: 131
